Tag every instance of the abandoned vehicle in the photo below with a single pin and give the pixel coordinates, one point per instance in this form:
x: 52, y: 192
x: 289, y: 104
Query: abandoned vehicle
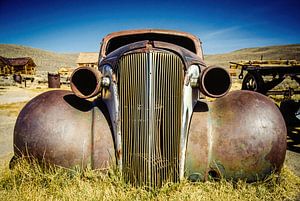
x: 144, y: 111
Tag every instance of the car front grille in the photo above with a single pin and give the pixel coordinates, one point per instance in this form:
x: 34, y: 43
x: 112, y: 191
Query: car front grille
x: 150, y: 90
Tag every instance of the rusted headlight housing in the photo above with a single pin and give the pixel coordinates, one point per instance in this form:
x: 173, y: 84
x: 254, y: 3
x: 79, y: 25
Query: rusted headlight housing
x: 85, y: 82
x: 215, y: 82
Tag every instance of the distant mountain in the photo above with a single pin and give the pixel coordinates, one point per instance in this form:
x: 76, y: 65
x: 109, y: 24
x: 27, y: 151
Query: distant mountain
x: 45, y: 60
x: 51, y: 61
x: 270, y: 52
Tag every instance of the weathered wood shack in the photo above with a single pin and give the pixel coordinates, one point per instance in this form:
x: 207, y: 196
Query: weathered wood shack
x: 4, y: 66
x: 88, y: 59
x: 24, y: 65
x: 66, y: 71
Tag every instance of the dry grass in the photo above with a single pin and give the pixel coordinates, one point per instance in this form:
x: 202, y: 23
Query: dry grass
x: 44, y: 88
x: 31, y: 182
x: 12, y: 109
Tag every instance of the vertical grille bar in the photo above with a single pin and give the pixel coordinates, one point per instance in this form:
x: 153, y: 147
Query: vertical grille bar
x: 150, y: 88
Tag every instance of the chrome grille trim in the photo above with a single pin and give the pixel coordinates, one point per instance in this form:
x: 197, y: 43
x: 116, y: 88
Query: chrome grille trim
x: 150, y: 88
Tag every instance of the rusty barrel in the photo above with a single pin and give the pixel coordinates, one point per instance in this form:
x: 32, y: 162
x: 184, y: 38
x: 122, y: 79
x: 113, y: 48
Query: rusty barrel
x: 53, y: 80
x: 17, y: 78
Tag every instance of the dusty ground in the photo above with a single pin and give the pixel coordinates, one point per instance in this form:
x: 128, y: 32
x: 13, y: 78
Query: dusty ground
x: 12, y: 99
x: 6, y: 131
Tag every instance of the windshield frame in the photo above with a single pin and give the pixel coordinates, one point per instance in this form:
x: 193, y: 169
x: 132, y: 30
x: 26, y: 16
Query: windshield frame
x: 162, y: 35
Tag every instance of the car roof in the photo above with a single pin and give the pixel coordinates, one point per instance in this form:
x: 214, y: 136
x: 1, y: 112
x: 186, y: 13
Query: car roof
x: 109, y: 37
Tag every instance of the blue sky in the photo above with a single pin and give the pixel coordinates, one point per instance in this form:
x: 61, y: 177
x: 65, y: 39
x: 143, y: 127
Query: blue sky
x: 78, y: 26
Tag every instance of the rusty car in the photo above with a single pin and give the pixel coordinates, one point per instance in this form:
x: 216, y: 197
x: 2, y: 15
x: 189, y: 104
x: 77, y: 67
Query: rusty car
x: 144, y: 112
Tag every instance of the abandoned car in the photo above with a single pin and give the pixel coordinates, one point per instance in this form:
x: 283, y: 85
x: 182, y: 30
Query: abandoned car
x: 144, y: 112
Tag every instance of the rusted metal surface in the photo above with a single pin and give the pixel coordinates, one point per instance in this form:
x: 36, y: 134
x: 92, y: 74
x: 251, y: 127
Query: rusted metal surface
x: 150, y: 114
x: 17, y: 78
x: 215, y: 82
x: 110, y: 97
x: 64, y: 130
x: 199, y: 143
x: 85, y: 82
x: 53, y: 80
x: 187, y: 56
x: 170, y: 33
x: 243, y: 137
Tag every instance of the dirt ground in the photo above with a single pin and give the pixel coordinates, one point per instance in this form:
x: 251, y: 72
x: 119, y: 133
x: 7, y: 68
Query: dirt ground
x: 13, y: 98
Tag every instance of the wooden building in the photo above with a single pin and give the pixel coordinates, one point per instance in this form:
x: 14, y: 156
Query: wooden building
x: 4, y: 66
x: 88, y: 59
x: 66, y: 71
x: 24, y: 65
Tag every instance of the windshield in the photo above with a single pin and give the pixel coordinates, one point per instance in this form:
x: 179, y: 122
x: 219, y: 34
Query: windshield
x: 120, y: 41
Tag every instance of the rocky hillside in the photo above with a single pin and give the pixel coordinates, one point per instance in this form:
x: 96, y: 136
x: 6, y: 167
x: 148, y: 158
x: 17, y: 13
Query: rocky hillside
x: 45, y: 60
x: 270, y: 52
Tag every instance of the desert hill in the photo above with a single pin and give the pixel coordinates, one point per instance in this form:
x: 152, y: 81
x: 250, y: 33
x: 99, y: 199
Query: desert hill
x: 270, y: 52
x: 51, y: 61
x: 45, y: 60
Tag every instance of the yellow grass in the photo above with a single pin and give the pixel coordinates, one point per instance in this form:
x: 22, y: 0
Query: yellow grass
x: 31, y: 182
x: 12, y: 109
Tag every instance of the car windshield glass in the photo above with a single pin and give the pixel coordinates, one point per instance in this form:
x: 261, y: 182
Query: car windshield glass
x: 120, y: 41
